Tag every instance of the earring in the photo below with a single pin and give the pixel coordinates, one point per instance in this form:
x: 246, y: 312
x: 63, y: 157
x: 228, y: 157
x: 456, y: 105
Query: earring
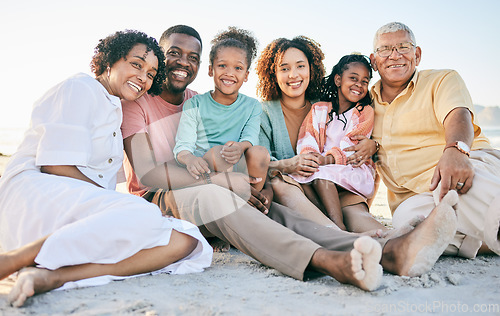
x: 109, y: 69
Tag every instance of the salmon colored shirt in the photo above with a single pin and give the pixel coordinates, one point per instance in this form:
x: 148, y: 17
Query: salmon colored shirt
x: 411, y: 133
x: 159, y: 119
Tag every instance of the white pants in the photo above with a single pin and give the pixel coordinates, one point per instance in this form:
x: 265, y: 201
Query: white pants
x: 87, y: 224
x: 478, y: 211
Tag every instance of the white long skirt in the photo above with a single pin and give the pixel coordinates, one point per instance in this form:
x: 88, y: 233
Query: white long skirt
x: 87, y: 224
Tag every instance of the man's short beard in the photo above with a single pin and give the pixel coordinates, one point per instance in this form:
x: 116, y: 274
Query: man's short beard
x: 173, y: 89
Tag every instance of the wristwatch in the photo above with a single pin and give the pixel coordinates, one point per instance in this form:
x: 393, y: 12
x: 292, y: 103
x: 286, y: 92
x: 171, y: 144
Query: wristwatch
x: 461, y: 146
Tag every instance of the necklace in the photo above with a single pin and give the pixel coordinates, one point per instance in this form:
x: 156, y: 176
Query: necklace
x: 292, y: 107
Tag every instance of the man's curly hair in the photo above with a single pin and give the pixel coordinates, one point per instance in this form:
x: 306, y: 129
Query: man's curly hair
x: 117, y: 46
x: 267, y: 65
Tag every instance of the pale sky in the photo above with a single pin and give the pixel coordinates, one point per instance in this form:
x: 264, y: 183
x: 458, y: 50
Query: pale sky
x: 44, y: 42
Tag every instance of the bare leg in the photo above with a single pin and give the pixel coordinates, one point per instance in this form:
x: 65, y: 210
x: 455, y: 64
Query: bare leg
x: 15, y: 260
x: 415, y: 253
x: 289, y: 195
x: 33, y: 281
x: 329, y: 196
x: 358, y: 219
x: 359, y: 267
x: 313, y: 196
x: 257, y: 160
x: 375, y: 190
x: 215, y: 160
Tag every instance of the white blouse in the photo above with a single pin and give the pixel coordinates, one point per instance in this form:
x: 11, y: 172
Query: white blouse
x: 77, y: 123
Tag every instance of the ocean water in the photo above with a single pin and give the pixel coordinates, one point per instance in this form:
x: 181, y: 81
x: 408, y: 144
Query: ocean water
x: 10, y: 138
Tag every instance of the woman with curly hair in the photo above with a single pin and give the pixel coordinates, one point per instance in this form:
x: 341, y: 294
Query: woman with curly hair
x: 290, y: 74
x: 60, y: 218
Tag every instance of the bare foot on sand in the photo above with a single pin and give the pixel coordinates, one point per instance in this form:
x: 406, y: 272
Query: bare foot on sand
x: 31, y: 281
x: 359, y: 267
x: 365, y: 258
x: 219, y: 245
x: 416, y: 253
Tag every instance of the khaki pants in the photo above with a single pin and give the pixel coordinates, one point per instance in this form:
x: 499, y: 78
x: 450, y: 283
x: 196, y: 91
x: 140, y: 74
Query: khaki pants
x: 478, y: 211
x: 282, y: 240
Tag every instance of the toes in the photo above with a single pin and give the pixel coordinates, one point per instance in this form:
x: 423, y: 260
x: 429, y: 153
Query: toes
x: 370, y: 274
x: 451, y: 198
x: 367, y: 245
x: 23, y: 288
x: 19, y: 300
x: 360, y: 275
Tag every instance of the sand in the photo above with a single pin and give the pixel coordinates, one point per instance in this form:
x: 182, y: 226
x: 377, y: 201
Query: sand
x: 238, y: 285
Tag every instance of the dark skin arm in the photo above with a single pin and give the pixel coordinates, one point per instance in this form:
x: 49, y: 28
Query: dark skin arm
x: 302, y: 164
x: 171, y: 176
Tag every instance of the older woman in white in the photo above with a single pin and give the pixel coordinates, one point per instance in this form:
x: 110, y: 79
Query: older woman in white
x: 60, y: 218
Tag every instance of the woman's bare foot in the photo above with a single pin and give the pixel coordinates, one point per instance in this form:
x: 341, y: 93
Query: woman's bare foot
x: 416, y: 253
x: 359, y: 267
x: 31, y: 281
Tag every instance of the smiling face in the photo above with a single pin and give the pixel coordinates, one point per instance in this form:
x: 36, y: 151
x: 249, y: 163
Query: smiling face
x: 229, y: 70
x: 396, y: 69
x: 182, y: 54
x: 130, y: 77
x: 353, y: 84
x: 292, y: 74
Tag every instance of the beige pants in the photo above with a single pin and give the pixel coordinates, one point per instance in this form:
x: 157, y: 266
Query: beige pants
x: 478, y: 211
x: 283, y: 239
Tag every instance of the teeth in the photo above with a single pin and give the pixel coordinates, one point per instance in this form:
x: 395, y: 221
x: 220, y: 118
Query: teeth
x: 227, y: 82
x: 180, y: 73
x: 294, y: 84
x: 396, y: 66
x: 356, y: 92
x: 133, y: 85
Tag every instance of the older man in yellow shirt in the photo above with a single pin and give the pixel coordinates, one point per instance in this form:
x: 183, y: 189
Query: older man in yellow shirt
x: 429, y: 143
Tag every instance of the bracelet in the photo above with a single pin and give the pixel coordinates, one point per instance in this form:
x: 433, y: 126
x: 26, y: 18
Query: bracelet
x: 377, y: 146
x: 206, y: 178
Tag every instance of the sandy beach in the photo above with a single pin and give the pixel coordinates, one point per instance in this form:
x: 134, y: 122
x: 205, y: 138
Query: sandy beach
x: 236, y: 284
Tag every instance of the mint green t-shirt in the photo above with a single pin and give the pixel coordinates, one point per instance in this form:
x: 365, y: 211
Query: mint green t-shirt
x: 205, y: 123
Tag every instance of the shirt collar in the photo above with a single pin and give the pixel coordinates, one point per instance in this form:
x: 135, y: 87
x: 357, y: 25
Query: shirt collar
x: 375, y: 90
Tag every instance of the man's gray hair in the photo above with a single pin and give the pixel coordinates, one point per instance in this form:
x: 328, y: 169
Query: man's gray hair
x: 391, y: 28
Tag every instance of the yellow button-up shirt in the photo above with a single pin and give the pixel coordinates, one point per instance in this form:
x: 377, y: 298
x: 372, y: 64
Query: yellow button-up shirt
x: 411, y: 133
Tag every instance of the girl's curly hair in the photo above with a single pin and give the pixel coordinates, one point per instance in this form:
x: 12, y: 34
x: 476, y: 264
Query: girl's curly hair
x: 235, y: 37
x: 267, y: 65
x: 117, y: 46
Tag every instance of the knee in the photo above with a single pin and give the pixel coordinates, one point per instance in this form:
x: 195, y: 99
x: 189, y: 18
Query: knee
x: 182, y: 244
x: 215, y: 160
x: 258, y: 156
